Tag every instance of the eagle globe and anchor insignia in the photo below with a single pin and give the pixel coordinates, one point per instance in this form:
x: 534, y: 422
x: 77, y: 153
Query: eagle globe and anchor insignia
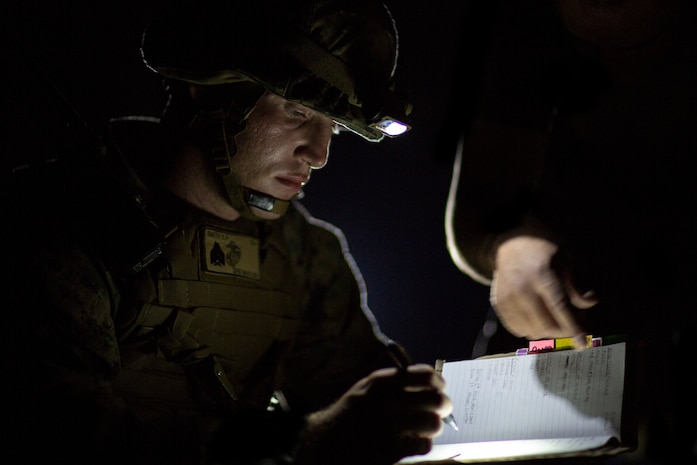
x: 231, y: 253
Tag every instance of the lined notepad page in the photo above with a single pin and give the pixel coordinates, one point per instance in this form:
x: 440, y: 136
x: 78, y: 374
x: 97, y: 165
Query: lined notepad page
x: 563, y: 394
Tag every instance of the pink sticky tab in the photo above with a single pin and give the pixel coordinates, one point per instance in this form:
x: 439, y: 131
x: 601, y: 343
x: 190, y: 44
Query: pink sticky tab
x: 541, y: 345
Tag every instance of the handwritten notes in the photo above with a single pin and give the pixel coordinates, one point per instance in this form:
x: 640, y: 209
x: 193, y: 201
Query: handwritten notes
x: 551, y: 402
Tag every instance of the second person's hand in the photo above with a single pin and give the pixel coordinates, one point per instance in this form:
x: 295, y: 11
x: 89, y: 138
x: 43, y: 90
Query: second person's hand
x: 528, y: 295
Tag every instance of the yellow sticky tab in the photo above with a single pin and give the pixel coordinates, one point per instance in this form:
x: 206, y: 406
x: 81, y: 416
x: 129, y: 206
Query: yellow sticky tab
x: 563, y: 343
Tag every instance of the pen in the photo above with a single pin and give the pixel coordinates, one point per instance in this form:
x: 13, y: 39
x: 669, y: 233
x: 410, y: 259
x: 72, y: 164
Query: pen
x: 402, y: 360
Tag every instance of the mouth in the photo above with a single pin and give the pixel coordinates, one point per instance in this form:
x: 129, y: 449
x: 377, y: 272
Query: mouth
x: 293, y: 182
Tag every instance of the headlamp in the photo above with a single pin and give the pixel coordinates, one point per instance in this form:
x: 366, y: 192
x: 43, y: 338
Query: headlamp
x: 389, y: 119
x: 390, y: 126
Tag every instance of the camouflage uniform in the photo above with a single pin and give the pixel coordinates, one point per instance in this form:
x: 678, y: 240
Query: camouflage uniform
x: 151, y: 365
x: 141, y: 330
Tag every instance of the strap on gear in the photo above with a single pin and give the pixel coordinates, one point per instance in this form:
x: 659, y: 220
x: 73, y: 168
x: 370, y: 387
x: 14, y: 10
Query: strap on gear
x: 324, y: 65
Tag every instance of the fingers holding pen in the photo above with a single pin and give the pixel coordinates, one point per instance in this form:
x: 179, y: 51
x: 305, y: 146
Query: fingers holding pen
x: 422, y: 375
x: 419, y: 377
x: 417, y: 383
x: 413, y: 398
x: 392, y: 412
x: 421, y: 395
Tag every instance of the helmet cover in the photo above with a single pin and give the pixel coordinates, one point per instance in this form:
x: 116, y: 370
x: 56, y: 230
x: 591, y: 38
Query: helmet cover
x: 336, y: 57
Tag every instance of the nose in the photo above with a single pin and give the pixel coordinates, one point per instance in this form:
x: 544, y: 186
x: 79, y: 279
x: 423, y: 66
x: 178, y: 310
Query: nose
x: 314, y: 149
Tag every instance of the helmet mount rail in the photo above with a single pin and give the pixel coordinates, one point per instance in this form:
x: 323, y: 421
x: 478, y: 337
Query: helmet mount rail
x: 385, y: 113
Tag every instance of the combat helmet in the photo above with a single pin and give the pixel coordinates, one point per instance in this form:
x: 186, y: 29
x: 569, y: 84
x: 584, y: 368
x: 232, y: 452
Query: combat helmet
x: 336, y: 57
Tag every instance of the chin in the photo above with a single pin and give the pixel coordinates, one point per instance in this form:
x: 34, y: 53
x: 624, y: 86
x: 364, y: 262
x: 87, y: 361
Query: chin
x: 264, y: 214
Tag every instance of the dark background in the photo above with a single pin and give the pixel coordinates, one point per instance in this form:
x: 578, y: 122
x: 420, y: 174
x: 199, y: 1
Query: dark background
x: 388, y: 198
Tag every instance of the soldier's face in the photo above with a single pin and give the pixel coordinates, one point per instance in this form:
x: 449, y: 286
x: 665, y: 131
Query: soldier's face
x: 282, y: 143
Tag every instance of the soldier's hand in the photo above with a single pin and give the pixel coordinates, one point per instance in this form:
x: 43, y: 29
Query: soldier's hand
x: 388, y: 415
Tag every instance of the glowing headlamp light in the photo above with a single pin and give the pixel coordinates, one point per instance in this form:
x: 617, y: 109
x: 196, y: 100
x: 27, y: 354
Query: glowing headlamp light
x: 390, y: 126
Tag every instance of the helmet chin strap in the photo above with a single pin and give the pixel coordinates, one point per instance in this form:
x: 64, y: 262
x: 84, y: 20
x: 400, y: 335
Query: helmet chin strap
x: 225, y: 124
x: 243, y: 198
x: 263, y: 201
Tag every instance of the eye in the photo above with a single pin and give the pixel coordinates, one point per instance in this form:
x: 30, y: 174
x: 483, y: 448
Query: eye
x: 297, y: 111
